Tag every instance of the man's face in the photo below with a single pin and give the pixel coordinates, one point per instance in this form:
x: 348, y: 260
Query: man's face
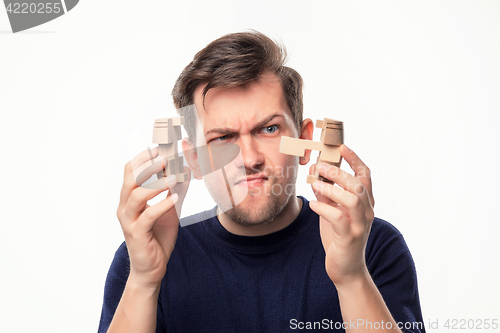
x: 253, y: 117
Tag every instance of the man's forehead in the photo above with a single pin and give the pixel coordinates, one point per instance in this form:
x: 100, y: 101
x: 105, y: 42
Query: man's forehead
x: 224, y: 105
x: 228, y: 124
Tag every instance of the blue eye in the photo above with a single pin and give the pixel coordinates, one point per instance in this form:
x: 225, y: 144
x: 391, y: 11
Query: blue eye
x: 222, y: 138
x: 270, y: 129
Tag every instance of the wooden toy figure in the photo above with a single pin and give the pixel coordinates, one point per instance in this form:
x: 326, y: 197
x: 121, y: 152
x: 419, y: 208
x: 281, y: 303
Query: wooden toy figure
x: 332, y: 137
x: 166, y: 133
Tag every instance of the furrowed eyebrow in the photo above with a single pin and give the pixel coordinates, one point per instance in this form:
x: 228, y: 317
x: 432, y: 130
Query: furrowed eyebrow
x: 228, y: 130
x: 262, y: 123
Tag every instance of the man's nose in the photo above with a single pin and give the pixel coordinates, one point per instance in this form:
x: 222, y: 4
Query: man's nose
x: 251, y: 152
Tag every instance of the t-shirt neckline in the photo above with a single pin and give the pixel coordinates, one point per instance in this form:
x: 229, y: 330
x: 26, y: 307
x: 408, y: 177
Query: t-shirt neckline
x: 259, y: 243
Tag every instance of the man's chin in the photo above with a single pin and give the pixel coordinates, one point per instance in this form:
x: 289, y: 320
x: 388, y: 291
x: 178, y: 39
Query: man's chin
x: 247, y: 218
x: 256, y: 210
x: 254, y: 200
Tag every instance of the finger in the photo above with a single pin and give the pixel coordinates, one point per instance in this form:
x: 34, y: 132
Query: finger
x: 149, y: 168
x: 357, y: 165
x: 158, y: 165
x: 351, y: 203
x: 133, y: 178
x: 345, y: 180
x: 319, y: 195
x: 166, y: 226
x: 129, y: 182
x: 144, y: 156
x: 149, y: 217
x: 312, y: 169
x: 139, y: 197
x: 360, y: 169
x: 165, y: 229
x: 335, y: 216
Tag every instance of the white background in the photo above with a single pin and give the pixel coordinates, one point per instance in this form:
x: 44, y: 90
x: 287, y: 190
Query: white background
x: 416, y: 83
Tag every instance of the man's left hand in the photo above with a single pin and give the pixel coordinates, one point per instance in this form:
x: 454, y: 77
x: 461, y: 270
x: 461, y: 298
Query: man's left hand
x: 346, y: 214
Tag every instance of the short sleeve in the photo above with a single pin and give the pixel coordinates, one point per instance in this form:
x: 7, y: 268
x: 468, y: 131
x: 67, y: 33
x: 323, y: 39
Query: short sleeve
x: 391, y: 266
x: 114, y: 286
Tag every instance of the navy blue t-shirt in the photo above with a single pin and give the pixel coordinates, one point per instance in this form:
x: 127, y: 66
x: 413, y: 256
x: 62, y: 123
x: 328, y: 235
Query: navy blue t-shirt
x: 220, y: 282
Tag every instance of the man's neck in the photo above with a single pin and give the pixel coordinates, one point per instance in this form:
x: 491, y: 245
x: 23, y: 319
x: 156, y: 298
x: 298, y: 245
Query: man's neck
x: 289, y: 214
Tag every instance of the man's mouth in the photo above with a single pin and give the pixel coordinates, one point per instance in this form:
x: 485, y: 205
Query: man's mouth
x: 253, y: 180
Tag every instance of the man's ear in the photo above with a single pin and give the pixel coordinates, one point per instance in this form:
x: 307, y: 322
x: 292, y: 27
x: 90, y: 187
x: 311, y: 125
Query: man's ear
x: 191, y: 157
x: 306, y: 133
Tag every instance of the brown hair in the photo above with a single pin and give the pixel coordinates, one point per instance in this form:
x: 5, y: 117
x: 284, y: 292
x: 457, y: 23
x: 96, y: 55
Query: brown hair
x: 235, y: 60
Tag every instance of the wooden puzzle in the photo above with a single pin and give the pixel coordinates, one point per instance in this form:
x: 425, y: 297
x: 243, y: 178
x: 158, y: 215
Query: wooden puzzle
x: 332, y: 137
x: 166, y: 133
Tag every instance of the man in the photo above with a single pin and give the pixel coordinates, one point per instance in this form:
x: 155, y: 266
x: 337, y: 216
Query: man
x: 275, y: 262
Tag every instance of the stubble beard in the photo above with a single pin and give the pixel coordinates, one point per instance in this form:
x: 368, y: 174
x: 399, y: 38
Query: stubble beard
x: 268, y: 212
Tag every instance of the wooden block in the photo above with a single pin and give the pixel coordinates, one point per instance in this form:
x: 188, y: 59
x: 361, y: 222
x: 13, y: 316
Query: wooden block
x: 311, y: 179
x: 166, y: 132
x: 160, y: 135
x: 327, y: 122
x: 170, y: 168
x: 179, y: 164
x: 170, y: 131
x: 333, y: 132
x: 161, y: 122
x: 177, y: 121
x: 316, y: 176
x: 320, y: 124
x: 333, y: 123
x: 167, y: 151
x: 330, y: 154
x: 323, y: 179
x: 297, y: 147
x: 334, y: 137
x: 287, y: 146
x: 177, y: 133
x: 181, y: 177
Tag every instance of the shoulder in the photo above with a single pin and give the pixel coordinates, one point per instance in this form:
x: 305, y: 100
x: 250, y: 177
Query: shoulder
x: 384, y: 233
x: 121, y: 262
x: 387, y: 252
x: 386, y: 245
x: 382, y: 226
x: 192, y: 228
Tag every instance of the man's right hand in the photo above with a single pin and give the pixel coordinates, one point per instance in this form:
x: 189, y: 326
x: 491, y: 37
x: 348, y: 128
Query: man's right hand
x: 150, y: 231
